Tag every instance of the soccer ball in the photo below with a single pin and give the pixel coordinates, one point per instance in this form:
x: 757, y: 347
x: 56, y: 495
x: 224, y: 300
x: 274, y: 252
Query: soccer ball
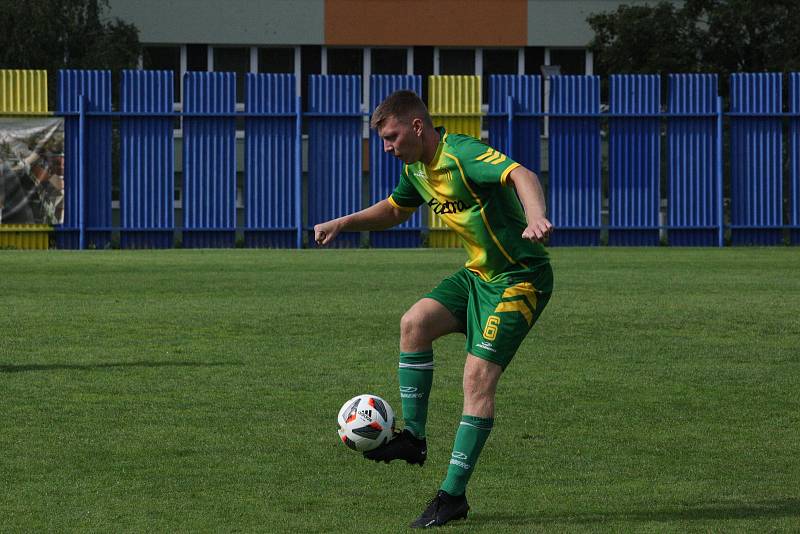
x: 365, y: 422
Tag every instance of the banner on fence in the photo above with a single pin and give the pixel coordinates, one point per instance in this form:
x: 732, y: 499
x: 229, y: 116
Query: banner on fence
x: 31, y: 171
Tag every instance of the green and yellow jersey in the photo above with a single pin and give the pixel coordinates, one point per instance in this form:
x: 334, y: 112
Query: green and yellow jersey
x: 466, y: 185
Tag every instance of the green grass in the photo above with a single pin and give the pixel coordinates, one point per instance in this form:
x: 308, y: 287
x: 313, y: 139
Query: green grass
x: 197, y: 391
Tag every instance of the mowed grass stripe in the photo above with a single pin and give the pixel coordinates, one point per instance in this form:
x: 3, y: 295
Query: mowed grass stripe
x: 197, y: 391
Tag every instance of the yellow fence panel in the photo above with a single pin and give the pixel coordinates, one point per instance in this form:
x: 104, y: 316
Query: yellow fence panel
x: 23, y: 92
x: 455, y: 103
x: 25, y: 236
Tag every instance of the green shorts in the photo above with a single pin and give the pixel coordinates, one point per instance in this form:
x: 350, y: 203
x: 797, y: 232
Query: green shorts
x: 496, y: 316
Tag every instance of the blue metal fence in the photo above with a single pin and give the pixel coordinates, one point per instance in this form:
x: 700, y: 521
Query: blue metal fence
x: 209, y: 160
x: 87, y: 172
x: 693, y: 193
x: 334, y: 151
x: 147, y: 175
x: 272, y: 173
x: 515, y: 117
x: 756, y: 159
x: 634, y: 159
x: 384, y: 169
x: 575, y: 181
x: 277, y: 211
x: 794, y: 151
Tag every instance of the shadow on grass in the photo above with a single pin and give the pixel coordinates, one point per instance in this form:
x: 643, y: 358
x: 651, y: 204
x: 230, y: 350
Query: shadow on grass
x: 96, y: 366
x: 704, y: 512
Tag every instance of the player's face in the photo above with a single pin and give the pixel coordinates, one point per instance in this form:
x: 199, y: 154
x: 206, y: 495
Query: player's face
x: 401, y: 139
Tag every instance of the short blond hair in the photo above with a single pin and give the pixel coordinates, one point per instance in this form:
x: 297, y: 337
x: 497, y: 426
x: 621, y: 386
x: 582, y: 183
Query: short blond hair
x: 403, y: 105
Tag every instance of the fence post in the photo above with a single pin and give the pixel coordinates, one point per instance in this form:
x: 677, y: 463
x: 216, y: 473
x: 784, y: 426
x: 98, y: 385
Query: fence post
x: 82, y: 171
x: 720, y: 192
x: 794, y: 155
x: 510, y: 106
x: 298, y: 170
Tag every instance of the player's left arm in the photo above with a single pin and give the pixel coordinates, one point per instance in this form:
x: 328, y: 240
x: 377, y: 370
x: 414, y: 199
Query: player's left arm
x: 530, y: 193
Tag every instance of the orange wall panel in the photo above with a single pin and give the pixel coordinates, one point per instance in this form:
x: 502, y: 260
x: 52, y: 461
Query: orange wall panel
x: 426, y: 22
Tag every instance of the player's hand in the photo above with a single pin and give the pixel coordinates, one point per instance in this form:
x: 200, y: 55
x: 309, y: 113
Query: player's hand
x: 538, y: 229
x: 325, y: 232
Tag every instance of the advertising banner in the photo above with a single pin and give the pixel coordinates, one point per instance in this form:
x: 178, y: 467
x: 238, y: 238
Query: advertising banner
x: 31, y: 171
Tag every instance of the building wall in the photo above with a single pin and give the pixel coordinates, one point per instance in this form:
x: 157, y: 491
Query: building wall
x: 426, y: 23
x: 228, y: 22
x: 475, y: 23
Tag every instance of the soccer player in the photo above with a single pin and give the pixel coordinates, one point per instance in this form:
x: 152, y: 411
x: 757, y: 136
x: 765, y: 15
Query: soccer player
x: 497, y: 208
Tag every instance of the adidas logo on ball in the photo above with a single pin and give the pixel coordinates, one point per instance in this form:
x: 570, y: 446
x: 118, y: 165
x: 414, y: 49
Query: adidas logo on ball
x: 365, y: 422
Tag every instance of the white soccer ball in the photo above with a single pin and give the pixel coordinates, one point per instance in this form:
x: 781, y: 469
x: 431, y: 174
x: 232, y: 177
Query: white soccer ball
x: 365, y: 422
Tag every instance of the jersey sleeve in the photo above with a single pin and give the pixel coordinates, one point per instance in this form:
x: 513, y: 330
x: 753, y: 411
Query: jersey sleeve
x: 405, y: 196
x: 483, y: 164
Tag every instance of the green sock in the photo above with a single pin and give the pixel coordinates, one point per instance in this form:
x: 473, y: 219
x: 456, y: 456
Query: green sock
x: 415, y: 376
x: 471, y: 435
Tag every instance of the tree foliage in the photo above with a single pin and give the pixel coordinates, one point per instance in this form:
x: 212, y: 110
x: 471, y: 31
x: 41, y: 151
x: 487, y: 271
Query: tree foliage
x: 721, y: 36
x: 644, y: 39
x: 61, y: 34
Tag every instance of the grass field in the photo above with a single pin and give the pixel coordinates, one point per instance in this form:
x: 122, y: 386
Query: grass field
x: 186, y: 391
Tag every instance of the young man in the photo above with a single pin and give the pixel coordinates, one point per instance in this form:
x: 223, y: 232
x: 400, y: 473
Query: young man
x: 494, y: 300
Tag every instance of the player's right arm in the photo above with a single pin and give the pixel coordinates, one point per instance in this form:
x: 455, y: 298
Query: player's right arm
x: 379, y: 216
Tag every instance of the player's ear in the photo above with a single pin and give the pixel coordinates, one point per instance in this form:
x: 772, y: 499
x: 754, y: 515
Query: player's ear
x: 416, y: 125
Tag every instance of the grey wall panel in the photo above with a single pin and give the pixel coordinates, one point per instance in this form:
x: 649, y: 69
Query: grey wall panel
x: 233, y: 22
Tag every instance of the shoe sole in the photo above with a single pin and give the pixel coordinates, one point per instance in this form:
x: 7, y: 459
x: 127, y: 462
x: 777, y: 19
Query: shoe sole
x: 462, y: 515
x: 409, y: 462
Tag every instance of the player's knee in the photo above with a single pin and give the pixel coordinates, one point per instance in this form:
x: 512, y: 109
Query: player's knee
x: 412, y: 326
